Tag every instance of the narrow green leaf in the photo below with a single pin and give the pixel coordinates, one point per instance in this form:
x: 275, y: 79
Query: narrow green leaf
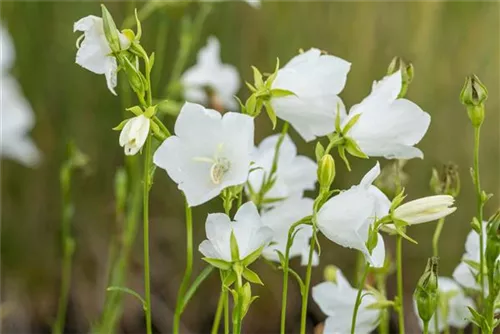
x: 299, y: 280
x: 257, y: 77
x: 350, y: 124
x: 354, y: 150
x: 128, y: 291
x: 344, y: 158
x: 251, y: 87
x: 252, y: 277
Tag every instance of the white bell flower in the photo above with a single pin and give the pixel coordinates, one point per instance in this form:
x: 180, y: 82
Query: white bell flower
x: 210, y: 73
x: 16, y: 115
x: 208, y: 153
x: 294, y: 174
x: 316, y: 80
x: 337, y: 301
x: 457, y: 313
x: 134, y: 134
x: 249, y: 232
x: 346, y: 218
x: 425, y: 209
x: 94, y: 53
x: 280, y: 219
x: 388, y: 127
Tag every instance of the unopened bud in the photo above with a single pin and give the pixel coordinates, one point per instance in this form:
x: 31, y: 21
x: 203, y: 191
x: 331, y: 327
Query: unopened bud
x: 110, y: 30
x: 407, y: 72
x: 330, y: 273
x: 447, y: 182
x: 326, y: 171
x: 473, y: 95
x: 426, y: 292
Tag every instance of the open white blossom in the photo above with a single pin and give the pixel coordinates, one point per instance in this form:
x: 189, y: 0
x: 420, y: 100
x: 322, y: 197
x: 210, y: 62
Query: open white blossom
x: 16, y: 115
x: 346, y: 218
x: 94, y: 53
x: 294, y: 173
x: 457, y: 313
x: 316, y: 80
x: 280, y: 219
x: 134, y: 134
x: 249, y: 232
x: 211, y: 75
x: 387, y: 126
x: 337, y: 301
x: 208, y: 153
x: 425, y: 209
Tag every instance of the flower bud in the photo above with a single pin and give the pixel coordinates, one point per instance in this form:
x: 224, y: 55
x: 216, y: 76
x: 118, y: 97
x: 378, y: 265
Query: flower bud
x: 473, y: 95
x: 134, y: 134
x: 425, y: 209
x: 110, y: 30
x: 447, y: 182
x: 426, y: 292
x: 330, y: 273
x: 407, y: 73
x: 326, y: 171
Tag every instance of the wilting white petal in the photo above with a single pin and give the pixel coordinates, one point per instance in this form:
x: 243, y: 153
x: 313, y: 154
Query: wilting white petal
x: 425, y: 209
x: 316, y: 80
x: 208, y: 152
x: 134, y: 134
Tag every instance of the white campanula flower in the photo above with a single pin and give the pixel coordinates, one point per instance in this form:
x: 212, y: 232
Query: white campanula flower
x: 94, y: 53
x: 16, y: 115
x: 248, y: 230
x: 134, y: 134
x: 388, y: 127
x: 454, y: 302
x: 280, y: 219
x: 337, y: 300
x: 208, y: 153
x: 294, y: 174
x: 316, y: 80
x: 425, y: 209
x: 253, y: 3
x: 211, y: 75
x: 346, y: 218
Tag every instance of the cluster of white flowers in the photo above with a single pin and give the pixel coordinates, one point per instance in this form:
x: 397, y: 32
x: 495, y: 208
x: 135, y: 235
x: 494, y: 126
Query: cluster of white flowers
x: 15, y: 112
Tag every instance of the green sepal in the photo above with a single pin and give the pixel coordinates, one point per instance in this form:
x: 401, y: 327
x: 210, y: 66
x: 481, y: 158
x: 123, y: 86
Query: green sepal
x: 250, y: 105
x: 229, y: 279
x: 281, y: 93
x: 319, y: 151
x: 272, y: 77
x: 479, y: 320
x: 217, y: 263
x: 235, y: 252
x: 251, y: 276
x: 136, y: 110
x: 352, y: 147
x: 397, y: 200
x: 349, y: 124
x: 337, y: 121
x: 120, y: 126
x: 242, y: 106
x: 251, y: 87
x: 252, y: 257
x: 271, y: 113
x: 110, y: 30
x: 344, y: 157
x: 150, y: 111
x: 257, y: 77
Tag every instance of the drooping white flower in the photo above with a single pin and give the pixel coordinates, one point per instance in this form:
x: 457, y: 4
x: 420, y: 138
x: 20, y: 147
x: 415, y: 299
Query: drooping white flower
x: 316, y: 80
x: 337, y: 301
x: 425, y: 209
x: 294, y: 173
x: 208, y: 153
x: 134, y: 134
x: 346, y: 218
x: 280, y: 219
x: 388, y: 127
x: 249, y: 232
x: 94, y: 53
x: 457, y: 313
x: 16, y: 114
x: 210, y: 73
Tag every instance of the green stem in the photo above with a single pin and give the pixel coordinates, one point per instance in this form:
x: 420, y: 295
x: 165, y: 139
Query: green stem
x: 147, y: 278
x: 383, y: 327
x: 436, y: 236
x: 358, y: 298
x: 238, y: 307
x: 226, y: 312
x: 196, y: 284
x: 399, y: 255
x: 187, y: 272
x: 218, y: 313
x: 426, y: 327
x: 305, y: 293
x: 477, y: 183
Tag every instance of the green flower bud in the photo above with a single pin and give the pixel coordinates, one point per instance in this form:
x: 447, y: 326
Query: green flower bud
x: 110, y: 30
x: 330, y: 273
x: 426, y: 292
x: 473, y: 95
x: 447, y: 182
x: 407, y: 72
x: 326, y: 171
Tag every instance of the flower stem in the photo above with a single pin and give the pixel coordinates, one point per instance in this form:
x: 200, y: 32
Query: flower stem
x: 238, y: 306
x: 358, y: 298
x: 399, y: 255
x: 147, y: 278
x: 426, y: 327
x: 226, y: 312
x: 383, y: 327
x: 477, y: 183
x: 194, y: 287
x: 436, y: 236
x: 218, y: 313
x: 305, y: 293
x: 187, y: 272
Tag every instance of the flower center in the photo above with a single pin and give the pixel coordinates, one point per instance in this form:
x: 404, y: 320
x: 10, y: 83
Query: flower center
x: 219, y: 168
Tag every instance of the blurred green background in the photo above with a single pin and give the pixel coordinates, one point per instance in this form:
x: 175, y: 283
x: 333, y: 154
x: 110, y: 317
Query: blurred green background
x: 444, y: 40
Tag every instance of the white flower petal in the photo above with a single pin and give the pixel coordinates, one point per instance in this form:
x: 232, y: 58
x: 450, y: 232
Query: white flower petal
x: 7, y: 53
x: 370, y: 177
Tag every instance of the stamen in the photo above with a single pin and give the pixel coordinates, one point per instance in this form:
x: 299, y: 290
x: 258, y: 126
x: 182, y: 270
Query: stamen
x: 219, y: 169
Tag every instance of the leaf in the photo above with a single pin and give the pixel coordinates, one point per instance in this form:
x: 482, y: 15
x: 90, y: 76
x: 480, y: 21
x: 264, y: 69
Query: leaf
x: 221, y: 264
x: 319, y: 151
x: 235, y: 252
x: 252, y: 257
x: 299, y: 280
x: 281, y: 257
x: 281, y: 93
x: 252, y: 277
x: 271, y: 113
x: 344, y: 158
x: 130, y: 292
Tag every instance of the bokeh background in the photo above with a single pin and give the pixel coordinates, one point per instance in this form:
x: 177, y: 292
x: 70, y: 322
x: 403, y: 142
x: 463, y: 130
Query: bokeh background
x: 444, y: 40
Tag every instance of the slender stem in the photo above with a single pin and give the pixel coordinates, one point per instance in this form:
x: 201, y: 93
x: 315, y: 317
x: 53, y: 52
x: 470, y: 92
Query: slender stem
x: 147, y: 278
x: 305, y: 293
x: 238, y: 307
x: 399, y: 255
x: 218, y: 313
x: 358, y: 298
x: 187, y: 272
x: 383, y: 327
x: 426, y: 327
x: 226, y: 312
x: 477, y: 183
x: 436, y: 236
x: 196, y: 284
